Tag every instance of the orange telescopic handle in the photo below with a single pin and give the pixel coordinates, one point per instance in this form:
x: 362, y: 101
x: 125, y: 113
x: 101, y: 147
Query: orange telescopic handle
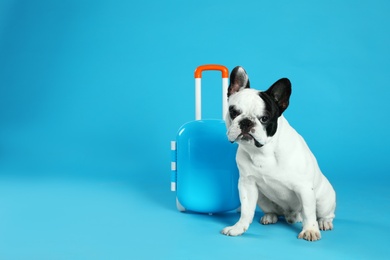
x: 200, y: 69
x: 198, y: 88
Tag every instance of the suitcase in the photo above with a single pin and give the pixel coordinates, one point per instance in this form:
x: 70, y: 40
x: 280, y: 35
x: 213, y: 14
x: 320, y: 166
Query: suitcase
x: 203, y: 167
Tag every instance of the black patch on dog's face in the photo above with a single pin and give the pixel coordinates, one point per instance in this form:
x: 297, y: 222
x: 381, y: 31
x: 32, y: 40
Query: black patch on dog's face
x: 272, y: 111
x: 234, y: 112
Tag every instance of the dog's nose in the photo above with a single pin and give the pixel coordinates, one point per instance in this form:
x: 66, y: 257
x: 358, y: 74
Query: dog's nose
x: 246, y: 125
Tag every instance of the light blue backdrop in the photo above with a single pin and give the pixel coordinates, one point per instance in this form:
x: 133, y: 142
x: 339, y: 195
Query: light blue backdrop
x: 95, y: 90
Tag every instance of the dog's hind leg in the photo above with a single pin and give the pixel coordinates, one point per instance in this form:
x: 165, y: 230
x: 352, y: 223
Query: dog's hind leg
x: 270, y: 209
x: 269, y: 218
x: 326, y: 206
x: 293, y: 217
x: 325, y: 218
x: 325, y: 224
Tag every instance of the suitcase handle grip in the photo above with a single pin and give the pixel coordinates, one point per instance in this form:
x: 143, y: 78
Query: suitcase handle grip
x: 198, y: 88
x: 200, y: 69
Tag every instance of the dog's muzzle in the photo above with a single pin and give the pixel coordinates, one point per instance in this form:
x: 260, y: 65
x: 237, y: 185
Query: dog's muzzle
x: 246, y: 126
x: 247, y: 137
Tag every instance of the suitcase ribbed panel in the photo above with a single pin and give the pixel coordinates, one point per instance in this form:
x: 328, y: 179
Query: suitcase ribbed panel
x: 173, y: 166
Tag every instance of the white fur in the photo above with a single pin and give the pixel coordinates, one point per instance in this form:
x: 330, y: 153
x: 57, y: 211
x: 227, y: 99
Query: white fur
x: 282, y: 176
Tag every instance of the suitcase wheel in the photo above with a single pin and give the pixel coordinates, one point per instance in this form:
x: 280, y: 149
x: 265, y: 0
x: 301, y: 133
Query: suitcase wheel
x: 179, y: 206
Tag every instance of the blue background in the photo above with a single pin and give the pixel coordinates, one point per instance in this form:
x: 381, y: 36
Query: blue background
x: 92, y: 92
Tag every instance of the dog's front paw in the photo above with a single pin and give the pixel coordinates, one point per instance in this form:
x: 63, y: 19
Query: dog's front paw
x: 269, y: 218
x: 310, y: 234
x: 236, y: 230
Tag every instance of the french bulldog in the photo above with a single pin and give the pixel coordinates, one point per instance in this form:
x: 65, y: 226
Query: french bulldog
x: 278, y: 172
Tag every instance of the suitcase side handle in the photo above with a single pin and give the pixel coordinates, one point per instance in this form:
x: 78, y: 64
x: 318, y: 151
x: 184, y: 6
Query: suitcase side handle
x: 198, y: 88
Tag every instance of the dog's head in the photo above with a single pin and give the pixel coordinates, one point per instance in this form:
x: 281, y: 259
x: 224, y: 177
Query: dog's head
x: 253, y: 115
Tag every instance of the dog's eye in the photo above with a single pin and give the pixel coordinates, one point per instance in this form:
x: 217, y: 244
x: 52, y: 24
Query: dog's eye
x: 233, y: 112
x: 264, y: 119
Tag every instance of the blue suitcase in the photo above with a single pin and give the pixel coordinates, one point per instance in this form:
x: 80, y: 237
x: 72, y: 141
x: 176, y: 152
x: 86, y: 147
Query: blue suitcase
x: 203, y: 167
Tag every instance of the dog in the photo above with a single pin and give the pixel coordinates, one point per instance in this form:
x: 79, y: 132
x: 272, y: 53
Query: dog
x: 278, y: 172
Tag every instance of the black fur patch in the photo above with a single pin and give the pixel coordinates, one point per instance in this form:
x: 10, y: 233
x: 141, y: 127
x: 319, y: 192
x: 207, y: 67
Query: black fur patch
x: 271, y: 110
x: 280, y: 92
x: 234, y: 112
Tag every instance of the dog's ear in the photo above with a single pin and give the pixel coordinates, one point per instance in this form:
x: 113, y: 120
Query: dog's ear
x: 280, y: 92
x: 238, y: 80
